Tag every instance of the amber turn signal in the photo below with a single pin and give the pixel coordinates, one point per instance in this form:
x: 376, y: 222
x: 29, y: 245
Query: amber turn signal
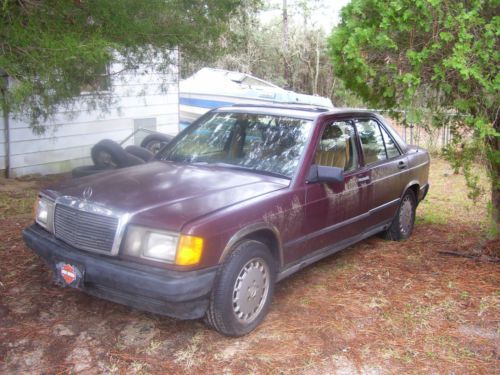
x: 189, y: 250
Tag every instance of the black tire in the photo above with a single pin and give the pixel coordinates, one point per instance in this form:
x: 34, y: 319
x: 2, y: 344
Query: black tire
x: 251, y: 262
x: 404, y: 221
x: 87, y: 170
x: 154, y: 142
x: 140, y: 152
x: 109, y: 154
x: 134, y: 160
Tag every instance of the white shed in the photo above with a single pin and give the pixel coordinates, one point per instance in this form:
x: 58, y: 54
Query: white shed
x: 142, y: 99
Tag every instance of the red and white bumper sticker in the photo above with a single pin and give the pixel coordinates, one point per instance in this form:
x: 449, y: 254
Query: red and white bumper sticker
x: 71, y: 275
x: 68, y: 273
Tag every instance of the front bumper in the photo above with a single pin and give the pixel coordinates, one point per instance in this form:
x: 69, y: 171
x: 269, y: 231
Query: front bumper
x: 182, y: 295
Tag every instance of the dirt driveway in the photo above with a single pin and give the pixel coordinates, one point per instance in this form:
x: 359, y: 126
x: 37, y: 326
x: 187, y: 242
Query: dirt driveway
x: 377, y: 308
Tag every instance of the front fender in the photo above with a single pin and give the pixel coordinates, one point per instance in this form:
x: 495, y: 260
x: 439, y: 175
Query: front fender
x: 249, y: 230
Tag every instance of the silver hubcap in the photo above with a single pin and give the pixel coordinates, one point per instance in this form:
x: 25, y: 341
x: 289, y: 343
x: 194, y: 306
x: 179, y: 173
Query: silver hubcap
x: 406, y: 216
x: 250, y: 290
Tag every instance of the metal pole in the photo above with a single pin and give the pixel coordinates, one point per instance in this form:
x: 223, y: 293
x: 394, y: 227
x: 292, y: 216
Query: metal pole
x: 443, y: 138
x: 178, y: 78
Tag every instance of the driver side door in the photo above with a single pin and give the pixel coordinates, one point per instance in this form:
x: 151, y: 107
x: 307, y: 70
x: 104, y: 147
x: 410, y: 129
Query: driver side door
x: 336, y: 211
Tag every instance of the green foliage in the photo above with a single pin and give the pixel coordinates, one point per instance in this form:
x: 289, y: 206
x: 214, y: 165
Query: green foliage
x: 53, y: 48
x: 429, y: 56
x: 232, y: 43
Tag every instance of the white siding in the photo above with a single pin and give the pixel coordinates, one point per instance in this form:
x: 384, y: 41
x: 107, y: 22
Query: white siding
x: 70, y: 135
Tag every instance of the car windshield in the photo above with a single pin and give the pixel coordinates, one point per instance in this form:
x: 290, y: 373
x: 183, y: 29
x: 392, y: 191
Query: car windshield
x: 259, y: 142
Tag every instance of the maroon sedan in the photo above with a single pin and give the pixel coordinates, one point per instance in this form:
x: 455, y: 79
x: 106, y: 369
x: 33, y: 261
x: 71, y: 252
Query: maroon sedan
x: 241, y: 199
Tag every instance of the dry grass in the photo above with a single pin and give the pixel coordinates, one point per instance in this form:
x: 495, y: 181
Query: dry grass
x: 376, y: 308
x: 447, y: 201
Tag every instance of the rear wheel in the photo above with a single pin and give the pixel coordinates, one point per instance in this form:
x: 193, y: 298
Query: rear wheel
x: 404, y: 221
x: 243, y: 290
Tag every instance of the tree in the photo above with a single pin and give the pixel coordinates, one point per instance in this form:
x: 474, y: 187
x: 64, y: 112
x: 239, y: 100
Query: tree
x: 286, y: 64
x: 234, y: 44
x: 439, y: 56
x: 255, y: 47
x: 50, y: 49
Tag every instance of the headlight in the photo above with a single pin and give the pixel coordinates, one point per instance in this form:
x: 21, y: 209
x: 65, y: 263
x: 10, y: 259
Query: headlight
x: 162, y: 246
x: 44, y: 213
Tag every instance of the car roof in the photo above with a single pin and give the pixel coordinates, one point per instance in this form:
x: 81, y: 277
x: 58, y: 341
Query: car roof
x: 309, y: 112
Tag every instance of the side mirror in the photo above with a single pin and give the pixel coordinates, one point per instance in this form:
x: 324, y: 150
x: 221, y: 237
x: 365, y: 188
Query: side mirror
x: 320, y: 173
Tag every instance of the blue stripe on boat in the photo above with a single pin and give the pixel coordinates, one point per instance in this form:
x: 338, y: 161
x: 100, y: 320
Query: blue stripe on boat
x: 203, y: 103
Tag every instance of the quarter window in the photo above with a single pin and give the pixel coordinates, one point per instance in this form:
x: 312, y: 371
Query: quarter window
x: 390, y: 146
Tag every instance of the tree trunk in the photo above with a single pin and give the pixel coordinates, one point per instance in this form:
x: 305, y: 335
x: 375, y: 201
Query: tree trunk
x: 285, y: 45
x: 494, y: 143
x: 495, y: 199
x: 4, y: 109
x: 495, y: 188
x: 316, y: 75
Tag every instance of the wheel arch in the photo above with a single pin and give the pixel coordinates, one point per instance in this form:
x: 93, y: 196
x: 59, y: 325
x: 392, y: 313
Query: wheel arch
x: 263, y: 232
x: 413, y: 186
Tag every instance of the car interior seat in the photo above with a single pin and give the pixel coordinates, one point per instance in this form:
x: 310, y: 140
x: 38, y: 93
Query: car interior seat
x: 333, y: 150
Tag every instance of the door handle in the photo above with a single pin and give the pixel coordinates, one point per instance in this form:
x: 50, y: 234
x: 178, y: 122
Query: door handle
x: 364, y: 179
x: 402, y: 165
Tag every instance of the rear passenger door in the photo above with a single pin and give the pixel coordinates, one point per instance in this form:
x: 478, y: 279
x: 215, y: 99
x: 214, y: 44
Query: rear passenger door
x: 385, y: 165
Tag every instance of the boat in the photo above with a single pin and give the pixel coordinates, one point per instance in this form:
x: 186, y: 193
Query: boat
x: 212, y: 88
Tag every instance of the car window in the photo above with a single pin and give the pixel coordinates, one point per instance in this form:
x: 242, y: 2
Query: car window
x: 337, y: 147
x: 371, y: 139
x: 254, y: 136
x: 259, y: 142
x: 390, y: 146
x: 213, y: 136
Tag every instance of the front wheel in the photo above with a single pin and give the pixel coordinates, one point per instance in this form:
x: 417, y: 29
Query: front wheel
x: 402, y: 225
x: 243, y: 290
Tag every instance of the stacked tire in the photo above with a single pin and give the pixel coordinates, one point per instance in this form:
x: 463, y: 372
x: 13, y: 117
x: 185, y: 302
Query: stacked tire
x: 108, y: 154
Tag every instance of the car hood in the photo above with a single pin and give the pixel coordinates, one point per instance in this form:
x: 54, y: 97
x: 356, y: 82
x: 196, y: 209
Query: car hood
x: 168, y: 195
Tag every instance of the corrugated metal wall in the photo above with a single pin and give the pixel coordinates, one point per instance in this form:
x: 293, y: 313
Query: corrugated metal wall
x: 70, y: 136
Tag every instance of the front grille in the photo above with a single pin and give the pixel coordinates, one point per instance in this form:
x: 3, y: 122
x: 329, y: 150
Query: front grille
x: 85, y: 230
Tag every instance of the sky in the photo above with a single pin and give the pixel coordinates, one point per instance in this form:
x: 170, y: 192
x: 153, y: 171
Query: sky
x: 326, y: 12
